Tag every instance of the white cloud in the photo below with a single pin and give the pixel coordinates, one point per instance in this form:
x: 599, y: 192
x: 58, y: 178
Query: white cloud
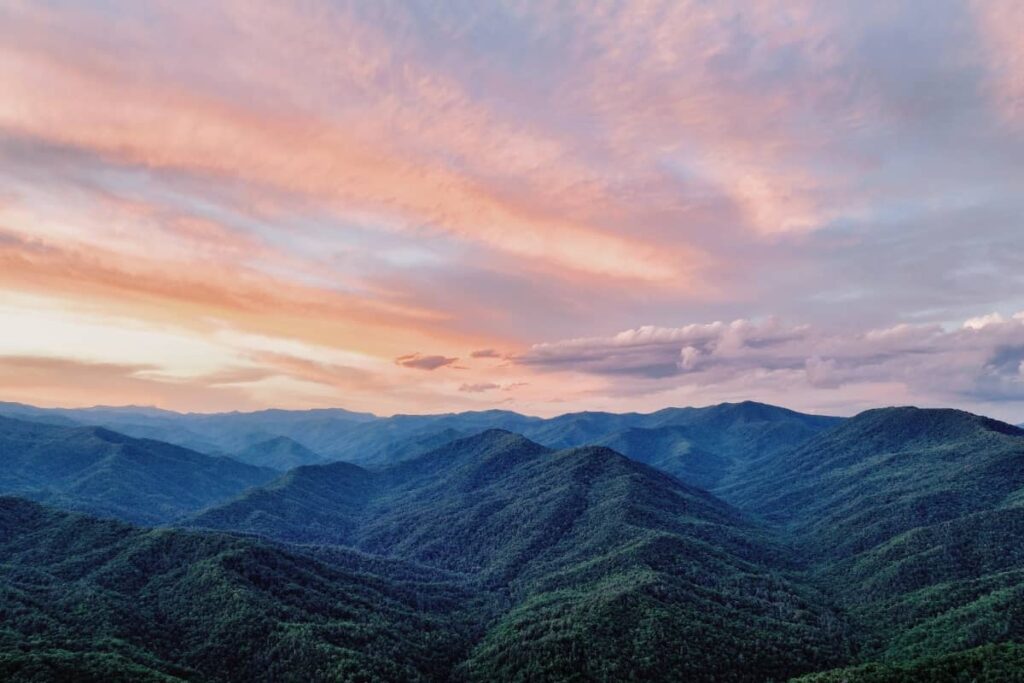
x: 983, y: 321
x: 981, y: 360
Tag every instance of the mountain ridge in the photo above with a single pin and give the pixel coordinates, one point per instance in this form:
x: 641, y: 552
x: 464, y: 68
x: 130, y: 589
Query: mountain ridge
x: 94, y: 469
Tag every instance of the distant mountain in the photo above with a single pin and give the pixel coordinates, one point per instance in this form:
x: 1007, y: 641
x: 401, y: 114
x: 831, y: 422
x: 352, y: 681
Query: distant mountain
x: 702, y: 446
x: 912, y: 519
x: 29, y: 413
x: 628, y: 571
x: 671, y: 450
x: 279, y: 453
x: 91, y: 600
x: 95, y: 470
x: 393, y: 440
x: 706, y: 447
x: 214, y: 433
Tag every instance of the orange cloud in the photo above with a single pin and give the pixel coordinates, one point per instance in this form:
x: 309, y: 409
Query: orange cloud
x: 69, y: 382
x: 156, y: 290
x: 373, y: 162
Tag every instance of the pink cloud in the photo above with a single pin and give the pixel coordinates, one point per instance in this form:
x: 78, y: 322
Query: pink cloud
x: 979, y: 361
x: 999, y: 23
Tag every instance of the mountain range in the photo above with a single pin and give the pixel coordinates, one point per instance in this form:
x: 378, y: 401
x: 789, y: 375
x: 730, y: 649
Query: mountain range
x: 738, y: 542
x: 93, y: 469
x: 701, y: 446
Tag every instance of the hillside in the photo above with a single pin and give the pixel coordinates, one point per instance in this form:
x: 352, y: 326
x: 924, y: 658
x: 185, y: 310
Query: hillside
x: 605, y: 563
x: 884, y: 472
x: 95, y: 470
x: 987, y: 664
x: 87, y: 599
x: 912, y: 519
x: 279, y: 453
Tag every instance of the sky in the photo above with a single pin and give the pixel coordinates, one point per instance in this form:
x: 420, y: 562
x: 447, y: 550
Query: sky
x: 418, y: 207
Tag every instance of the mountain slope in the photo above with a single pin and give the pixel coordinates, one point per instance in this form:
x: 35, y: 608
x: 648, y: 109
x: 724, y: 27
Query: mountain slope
x: 912, y: 519
x: 987, y: 664
x: 671, y: 450
x: 88, y: 599
x: 706, y: 447
x: 604, y: 562
x: 95, y: 470
x: 279, y: 453
x: 884, y: 472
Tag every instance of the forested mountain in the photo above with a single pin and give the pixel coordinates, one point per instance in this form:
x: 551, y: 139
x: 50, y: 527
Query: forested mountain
x: 702, y: 446
x: 884, y: 547
x: 709, y: 447
x: 913, y: 520
x: 92, y: 600
x: 214, y: 433
x: 1003, y: 663
x: 95, y: 470
x: 279, y: 453
x: 611, y: 569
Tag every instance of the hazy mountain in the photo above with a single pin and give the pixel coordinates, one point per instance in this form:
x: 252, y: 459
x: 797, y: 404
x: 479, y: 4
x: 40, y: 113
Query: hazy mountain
x: 625, y: 569
x: 279, y: 453
x: 913, y: 519
x: 708, y: 447
x: 699, y: 445
x: 91, y: 600
x: 702, y: 446
x: 214, y: 433
x: 671, y: 450
x: 96, y: 470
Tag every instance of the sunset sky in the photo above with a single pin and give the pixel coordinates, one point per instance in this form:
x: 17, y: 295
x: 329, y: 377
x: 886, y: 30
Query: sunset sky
x: 539, y: 206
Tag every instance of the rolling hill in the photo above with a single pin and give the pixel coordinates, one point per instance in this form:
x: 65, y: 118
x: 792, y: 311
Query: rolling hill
x: 95, y: 470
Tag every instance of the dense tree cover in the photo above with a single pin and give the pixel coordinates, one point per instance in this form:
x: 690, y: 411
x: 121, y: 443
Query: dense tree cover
x: 987, y: 664
x: 711, y: 447
x: 604, y: 562
x: 95, y: 470
x: 912, y: 521
x: 888, y: 544
x: 105, y: 601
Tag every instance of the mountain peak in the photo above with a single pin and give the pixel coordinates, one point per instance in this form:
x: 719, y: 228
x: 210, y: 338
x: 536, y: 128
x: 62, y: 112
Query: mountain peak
x: 913, y: 422
x: 491, y: 438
